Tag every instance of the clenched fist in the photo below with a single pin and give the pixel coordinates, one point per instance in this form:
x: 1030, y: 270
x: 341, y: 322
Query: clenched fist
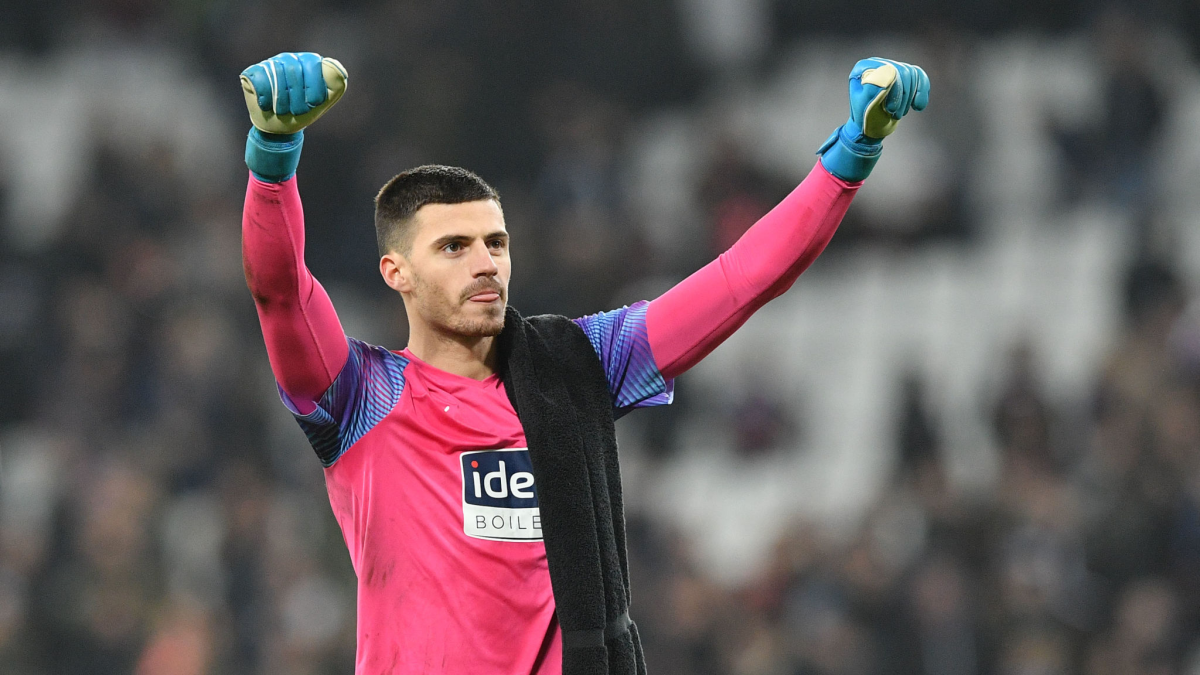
x: 289, y: 91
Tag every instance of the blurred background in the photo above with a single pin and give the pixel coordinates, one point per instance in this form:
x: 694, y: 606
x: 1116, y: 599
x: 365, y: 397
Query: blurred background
x: 967, y: 442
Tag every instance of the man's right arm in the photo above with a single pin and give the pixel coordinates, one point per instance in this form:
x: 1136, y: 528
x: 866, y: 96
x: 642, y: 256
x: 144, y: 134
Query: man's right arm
x: 305, y: 342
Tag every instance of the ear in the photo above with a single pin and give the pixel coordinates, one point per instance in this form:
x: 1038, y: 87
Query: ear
x: 396, y: 272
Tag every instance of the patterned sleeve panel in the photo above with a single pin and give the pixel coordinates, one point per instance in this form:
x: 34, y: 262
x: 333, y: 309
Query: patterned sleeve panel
x: 622, y: 343
x: 365, y: 391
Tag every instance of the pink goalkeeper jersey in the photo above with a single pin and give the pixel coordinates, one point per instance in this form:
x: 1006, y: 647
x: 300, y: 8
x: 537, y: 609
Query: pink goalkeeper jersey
x: 427, y: 472
x: 430, y: 480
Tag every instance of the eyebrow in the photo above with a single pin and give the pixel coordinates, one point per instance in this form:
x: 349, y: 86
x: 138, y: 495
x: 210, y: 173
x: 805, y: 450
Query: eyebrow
x: 464, y: 239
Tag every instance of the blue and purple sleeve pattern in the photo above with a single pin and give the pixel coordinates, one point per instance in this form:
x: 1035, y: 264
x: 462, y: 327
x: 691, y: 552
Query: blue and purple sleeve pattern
x: 366, y: 390
x: 623, y: 345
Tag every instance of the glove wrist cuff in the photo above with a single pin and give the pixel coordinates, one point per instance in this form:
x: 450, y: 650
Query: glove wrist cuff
x: 848, y: 158
x: 273, y: 157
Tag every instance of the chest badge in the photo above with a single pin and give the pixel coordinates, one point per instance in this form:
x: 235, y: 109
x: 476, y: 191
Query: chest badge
x: 499, y: 497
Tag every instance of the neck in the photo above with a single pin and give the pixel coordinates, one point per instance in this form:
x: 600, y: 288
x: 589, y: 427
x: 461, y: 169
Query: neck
x: 473, y: 357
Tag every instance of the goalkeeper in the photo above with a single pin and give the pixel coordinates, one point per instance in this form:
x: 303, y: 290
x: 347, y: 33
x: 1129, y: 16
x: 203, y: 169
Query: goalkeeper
x: 474, y: 472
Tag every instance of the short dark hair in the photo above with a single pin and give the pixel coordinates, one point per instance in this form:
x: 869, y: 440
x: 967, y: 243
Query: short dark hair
x: 400, y: 198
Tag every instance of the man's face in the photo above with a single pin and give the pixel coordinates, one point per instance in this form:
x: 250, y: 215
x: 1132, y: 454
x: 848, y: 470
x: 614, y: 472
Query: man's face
x: 458, y: 270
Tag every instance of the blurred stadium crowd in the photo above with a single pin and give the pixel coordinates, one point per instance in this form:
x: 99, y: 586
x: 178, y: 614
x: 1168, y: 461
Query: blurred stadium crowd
x: 161, y: 514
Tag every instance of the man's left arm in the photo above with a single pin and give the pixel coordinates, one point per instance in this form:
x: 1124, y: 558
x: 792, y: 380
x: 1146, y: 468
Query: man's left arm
x: 687, y: 322
x: 644, y: 346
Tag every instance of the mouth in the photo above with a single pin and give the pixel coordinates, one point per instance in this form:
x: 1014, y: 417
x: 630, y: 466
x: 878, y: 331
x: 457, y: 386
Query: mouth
x: 485, y: 297
x: 484, y: 291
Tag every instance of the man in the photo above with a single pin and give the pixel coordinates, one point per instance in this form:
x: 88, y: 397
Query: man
x: 473, y: 473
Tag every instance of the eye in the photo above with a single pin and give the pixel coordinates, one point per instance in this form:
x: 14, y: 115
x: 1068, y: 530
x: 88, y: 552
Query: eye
x: 497, y: 244
x: 452, y: 247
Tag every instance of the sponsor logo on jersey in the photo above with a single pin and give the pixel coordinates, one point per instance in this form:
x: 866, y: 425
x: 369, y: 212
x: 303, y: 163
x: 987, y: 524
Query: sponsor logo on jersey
x: 499, y: 498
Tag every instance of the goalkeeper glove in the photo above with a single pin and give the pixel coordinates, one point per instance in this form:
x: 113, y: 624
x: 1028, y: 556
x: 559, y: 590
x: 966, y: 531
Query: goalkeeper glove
x: 881, y: 92
x: 284, y: 94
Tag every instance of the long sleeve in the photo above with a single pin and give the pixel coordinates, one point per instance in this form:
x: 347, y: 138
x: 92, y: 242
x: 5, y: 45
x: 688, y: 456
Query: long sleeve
x: 687, y: 322
x: 305, y: 342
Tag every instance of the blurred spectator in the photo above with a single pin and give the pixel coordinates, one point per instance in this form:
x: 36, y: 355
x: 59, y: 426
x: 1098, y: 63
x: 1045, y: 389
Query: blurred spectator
x: 1112, y: 158
x: 956, y: 145
x: 1022, y: 418
x: 736, y: 195
x: 182, y: 644
x: 584, y: 233
x: 763, y: 422
x: 1144, y: 637
x: 946, y: 626
x: 920, y: 447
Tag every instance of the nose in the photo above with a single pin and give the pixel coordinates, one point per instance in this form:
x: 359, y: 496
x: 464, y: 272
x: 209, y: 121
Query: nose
x: 482, y: 262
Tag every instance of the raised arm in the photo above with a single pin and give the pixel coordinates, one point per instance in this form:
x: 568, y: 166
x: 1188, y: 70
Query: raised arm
x: 305, y: 342
x: 690, y: 320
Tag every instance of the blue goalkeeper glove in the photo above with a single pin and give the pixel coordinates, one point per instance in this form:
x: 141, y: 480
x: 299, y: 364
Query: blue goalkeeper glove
x: 881, y: 92
x: 284, y: 94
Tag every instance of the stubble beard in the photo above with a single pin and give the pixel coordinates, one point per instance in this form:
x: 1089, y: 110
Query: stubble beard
x: 445, y: 314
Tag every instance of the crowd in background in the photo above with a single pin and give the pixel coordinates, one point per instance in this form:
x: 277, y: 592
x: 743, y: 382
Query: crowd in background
x: 161, y: 514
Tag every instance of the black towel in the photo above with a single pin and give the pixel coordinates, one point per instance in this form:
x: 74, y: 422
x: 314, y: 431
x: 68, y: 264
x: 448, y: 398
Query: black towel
x: 557, y: 386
